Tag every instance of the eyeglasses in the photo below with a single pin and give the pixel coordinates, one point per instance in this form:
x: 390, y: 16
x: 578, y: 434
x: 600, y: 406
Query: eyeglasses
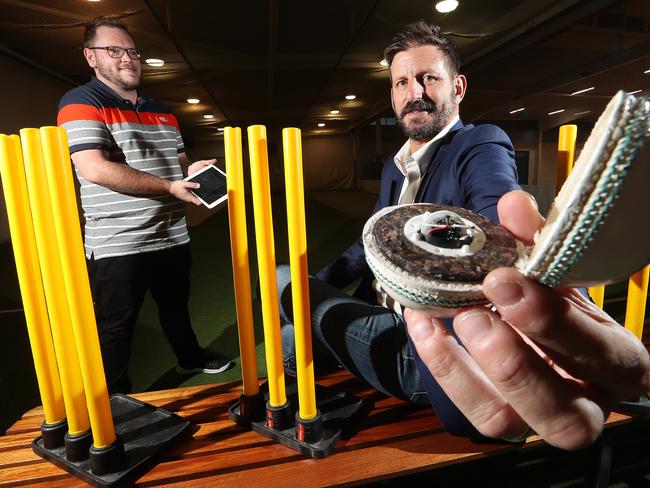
x: 118, y: 52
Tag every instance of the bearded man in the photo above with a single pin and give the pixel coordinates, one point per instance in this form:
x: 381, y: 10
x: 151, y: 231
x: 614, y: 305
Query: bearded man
x: 443, y: 162
x: 130, y: 161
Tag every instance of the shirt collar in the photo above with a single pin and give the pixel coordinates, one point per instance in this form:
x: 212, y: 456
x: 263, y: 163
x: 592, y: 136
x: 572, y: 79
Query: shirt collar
x: 107, y: 90
x: 423, y: 155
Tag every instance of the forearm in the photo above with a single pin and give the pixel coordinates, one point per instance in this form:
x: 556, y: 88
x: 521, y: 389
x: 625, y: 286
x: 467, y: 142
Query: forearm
x: 94, y: 166
x: 124, y: 179
x: 184, y: 162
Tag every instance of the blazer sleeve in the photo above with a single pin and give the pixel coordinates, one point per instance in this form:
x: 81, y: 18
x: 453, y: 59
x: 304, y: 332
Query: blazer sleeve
x: 487, y: 170
x: 351, y: 264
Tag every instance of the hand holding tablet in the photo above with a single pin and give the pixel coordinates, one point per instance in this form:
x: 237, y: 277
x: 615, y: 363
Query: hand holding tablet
x: 213, y: 189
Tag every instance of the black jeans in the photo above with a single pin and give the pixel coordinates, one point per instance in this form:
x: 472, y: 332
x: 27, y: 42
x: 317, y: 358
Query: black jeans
x: 118, y: 287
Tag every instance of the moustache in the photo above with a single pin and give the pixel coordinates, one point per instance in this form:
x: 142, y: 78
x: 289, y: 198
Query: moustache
x: 417, y: 106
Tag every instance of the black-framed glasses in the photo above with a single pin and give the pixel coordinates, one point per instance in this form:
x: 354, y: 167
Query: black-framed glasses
x: 118, y: 52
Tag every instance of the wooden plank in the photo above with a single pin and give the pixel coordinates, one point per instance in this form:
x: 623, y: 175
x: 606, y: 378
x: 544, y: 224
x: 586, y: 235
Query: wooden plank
x: 41, y: 472
x: 16, y: 441
x: 18, y: 457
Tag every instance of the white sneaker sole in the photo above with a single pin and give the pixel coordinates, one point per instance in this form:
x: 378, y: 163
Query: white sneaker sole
x: 181, y: 370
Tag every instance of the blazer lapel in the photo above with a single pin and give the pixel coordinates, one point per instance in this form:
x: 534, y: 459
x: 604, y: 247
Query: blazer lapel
x: 396, y: 180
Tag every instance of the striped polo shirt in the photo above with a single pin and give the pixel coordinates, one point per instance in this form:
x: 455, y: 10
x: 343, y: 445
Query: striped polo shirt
x: 144, y: 136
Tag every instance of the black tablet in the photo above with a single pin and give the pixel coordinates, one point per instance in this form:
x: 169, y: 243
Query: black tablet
x: 213, y: 188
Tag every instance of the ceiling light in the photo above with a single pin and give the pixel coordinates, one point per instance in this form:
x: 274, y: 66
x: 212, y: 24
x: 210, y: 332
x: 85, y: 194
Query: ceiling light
x: 321, y: 124
x: 556, y: 112
x: 383, y: 62
x: 208, y: 116
x: 582, y: 113
x: 193, y: 100
x: 446, y: 6
x: 647, y: 71
x: 517, y: 110
x: 582, y: 91
x: 350, y: 97
x: 156, y: 63
x: 334, y: 111
x: 633, y: 92
x: 220, y: 129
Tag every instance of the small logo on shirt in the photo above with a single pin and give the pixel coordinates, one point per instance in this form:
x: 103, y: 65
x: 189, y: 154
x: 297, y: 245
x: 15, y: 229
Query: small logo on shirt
x: 162, y: 119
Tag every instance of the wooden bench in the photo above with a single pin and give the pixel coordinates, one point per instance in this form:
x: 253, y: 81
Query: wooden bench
x: 393, y: 440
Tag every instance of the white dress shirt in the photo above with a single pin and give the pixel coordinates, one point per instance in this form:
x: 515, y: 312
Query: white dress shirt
x: 422, y: 157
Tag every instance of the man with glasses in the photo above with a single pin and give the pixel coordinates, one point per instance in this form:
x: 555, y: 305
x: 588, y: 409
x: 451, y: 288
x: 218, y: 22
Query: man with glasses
x: 130, y: 161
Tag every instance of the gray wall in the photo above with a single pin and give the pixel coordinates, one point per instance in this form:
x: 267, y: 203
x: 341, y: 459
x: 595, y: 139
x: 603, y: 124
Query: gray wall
x: 30, y: 100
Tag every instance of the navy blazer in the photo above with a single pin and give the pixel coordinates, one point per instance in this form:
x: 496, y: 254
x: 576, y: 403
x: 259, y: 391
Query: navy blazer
x: 472, y: 168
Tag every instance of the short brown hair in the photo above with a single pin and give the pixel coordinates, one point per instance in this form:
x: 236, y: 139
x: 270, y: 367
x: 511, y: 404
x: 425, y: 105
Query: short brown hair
x: 91, y: 27
x: 422, y: 34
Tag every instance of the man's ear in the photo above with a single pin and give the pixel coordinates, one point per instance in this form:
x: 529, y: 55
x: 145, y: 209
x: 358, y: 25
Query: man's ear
x: 89, y: 54
x: 460, y: 87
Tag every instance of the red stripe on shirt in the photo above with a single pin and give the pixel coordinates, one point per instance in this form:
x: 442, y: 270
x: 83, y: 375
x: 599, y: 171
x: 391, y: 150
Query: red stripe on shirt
x: 110, y: 115
x: 78, y: 111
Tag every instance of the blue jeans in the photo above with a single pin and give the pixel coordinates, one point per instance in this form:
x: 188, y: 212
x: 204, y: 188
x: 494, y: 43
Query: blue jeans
x: 370, y: 341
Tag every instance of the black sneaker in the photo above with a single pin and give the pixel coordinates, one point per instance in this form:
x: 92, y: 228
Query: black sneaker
x: 209, y: 364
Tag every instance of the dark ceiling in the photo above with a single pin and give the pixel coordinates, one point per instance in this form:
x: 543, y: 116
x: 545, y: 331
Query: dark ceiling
x: 290, y: 62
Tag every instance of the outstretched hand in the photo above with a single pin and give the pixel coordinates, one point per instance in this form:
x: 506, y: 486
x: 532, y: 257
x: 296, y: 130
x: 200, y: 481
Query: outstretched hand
x: 547, y: 358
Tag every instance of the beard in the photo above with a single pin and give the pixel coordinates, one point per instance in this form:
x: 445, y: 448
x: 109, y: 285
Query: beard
x: 440, y: 117
x: 119, y: 78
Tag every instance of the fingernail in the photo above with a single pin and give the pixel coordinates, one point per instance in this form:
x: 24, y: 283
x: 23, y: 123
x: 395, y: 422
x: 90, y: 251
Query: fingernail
x: 532, y: 198
x: 506, y: 293
x: 473, y: 327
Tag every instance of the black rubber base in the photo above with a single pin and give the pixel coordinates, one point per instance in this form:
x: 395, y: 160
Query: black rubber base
x: 53, y: 435
x: 251, y: 408
x: 338, y: 413
x: 310, y: 430
x: 77, y: 447
x: 640, y: 405
x: 144, y: 431
x: 279, y: 418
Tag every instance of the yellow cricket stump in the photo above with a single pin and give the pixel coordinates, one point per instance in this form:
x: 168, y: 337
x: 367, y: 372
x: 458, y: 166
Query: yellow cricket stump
x: 299, y: 273
x: 307, y: 432
x: 565, y: 153
x: 240, y: 261
x: 14, y: 185
x: 57, y: 302
x: 257, y: 147
x: 597, y: 294
x: 637, y: 294
x: 77, y: 286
